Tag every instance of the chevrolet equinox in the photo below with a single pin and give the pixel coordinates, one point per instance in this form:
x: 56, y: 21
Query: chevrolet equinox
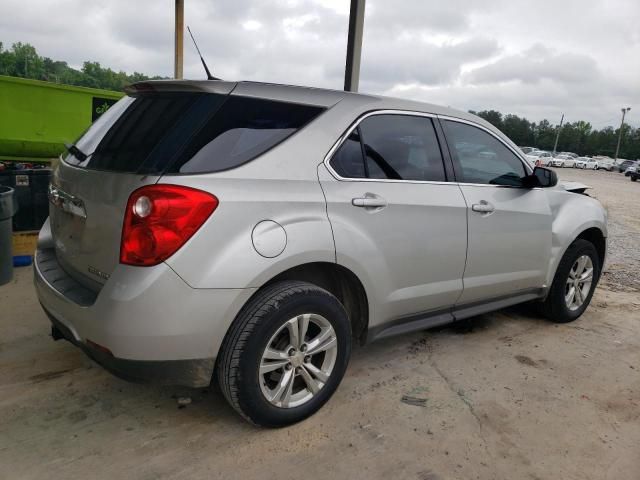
x: 249, y: 233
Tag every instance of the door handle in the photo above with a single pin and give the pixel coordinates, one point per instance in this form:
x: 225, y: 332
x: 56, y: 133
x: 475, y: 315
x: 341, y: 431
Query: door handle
x: 369, y: 202
x: 483, y: 207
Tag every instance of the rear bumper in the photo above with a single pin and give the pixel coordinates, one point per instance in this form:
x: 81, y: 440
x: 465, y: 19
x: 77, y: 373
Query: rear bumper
x: 191, y: 373
x: 147, y: 324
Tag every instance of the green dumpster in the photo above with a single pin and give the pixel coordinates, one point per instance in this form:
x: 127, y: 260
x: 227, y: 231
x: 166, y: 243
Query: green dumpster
x: 37, y: 118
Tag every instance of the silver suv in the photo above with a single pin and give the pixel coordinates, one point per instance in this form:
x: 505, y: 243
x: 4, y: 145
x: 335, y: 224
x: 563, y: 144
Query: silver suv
x: 251, y: 232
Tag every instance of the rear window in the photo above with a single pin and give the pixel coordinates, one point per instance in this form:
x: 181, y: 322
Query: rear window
x: 188, y: 132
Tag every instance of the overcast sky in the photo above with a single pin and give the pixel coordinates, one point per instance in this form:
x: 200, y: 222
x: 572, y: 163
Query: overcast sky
x: 536, y: 58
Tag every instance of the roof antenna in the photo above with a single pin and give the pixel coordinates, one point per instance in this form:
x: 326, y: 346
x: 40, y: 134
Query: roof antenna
x: 204, y: 64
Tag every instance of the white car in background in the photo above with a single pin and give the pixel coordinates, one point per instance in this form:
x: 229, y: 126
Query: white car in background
x: 586, y: 163
x: 563, y: 160
x: 540, y: 158
x: 581, y: 162
x: 605, y: 163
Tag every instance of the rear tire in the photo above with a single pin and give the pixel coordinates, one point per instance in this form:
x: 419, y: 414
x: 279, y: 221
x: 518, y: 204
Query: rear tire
x: 633, y: 178
x: 264, y: 335
x: 557, y: 307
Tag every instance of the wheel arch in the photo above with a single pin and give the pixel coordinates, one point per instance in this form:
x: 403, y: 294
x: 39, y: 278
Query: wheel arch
x: 596, y: 237
x: 593, y: 234
x: 575, y: 216
x: 337, y: 280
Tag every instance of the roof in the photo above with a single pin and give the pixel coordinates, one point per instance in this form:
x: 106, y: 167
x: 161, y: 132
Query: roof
x: 294, y: 93
x: 309, y: 95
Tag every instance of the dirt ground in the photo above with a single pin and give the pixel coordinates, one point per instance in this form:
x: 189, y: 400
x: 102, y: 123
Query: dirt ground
x: 505, y: 396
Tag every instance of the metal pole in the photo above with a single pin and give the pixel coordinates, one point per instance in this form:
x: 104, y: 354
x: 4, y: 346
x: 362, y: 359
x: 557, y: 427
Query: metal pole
x: 624, y: 112
x: 354, y: 46
x: 179, y: 36
x: 555, y: 145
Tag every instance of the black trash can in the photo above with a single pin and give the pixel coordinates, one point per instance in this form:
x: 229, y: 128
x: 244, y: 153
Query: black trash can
x: 31, y: 195
x: 7, y: 211
x: 40, y: 179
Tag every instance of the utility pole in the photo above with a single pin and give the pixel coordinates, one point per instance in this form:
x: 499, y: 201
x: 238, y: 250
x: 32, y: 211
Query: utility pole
x: 354, y: 46
x: 555, y: 145
x: 624, y: 112
x: 179, y: 36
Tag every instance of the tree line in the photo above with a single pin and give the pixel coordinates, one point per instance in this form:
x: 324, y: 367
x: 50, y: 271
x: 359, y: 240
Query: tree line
x: 22, y: 60
x: 578, y: 137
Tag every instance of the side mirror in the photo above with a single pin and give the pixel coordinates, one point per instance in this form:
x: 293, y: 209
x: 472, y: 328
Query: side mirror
x: 541, y: 177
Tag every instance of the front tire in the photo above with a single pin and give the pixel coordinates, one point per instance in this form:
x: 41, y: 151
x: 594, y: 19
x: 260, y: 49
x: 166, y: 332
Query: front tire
x: 285, y: 354
x: 574, y: 283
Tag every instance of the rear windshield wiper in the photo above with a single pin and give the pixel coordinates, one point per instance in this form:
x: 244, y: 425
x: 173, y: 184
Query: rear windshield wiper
x: 75, y: 151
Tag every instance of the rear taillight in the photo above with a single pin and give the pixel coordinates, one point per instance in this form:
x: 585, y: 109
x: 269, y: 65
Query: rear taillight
x: 159, y: 219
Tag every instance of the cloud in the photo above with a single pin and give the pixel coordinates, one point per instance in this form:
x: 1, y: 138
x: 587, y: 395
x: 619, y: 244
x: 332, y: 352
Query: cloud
x: 411, y: 60
x: 544, y: 99
x: 447, y: 17
x: 536, y: 64
x: 514, y: 56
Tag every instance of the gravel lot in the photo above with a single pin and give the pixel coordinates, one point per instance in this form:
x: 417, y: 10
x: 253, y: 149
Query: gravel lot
x: 507, y: 395
x: 621, y: 198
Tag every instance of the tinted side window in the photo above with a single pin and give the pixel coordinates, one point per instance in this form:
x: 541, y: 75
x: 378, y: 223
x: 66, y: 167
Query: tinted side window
x: 188, y: 132
x: 242, y: 129
x: 133, y: 137
x: 481, y: 158
x: 348, y: 161
x: 402, y: 147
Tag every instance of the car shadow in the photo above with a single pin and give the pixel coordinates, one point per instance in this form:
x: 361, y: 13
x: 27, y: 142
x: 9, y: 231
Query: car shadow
x: 525, y: 314
x: 85, y: 395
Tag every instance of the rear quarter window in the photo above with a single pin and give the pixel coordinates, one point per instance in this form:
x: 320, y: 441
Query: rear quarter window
x: 241, y: 130
x: 188, y: 132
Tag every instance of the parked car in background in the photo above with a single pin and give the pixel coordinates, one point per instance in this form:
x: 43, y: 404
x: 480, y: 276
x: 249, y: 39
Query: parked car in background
x: 562, y: 160
x: 527, y: 150
x: 587, y: 163
x: 605, y: 163
x: 540, y: 158
x: 248, y: 234
x: 601, y: 163
x: 633, y: 168
x: 622, y: 165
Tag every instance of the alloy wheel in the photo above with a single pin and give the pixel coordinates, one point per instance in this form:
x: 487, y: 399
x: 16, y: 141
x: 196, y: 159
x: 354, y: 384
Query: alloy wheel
x: 298, y: 360
x: 579, y: 282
